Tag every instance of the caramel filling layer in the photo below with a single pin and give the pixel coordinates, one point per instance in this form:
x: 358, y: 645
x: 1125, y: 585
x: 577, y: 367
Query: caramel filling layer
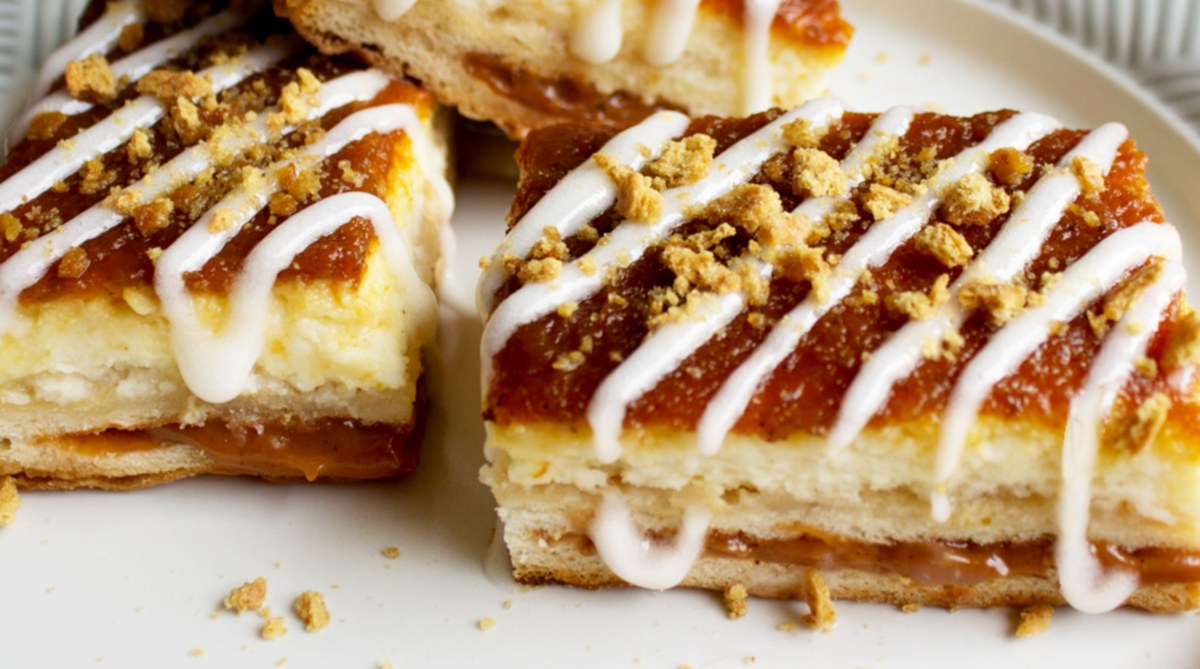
x: 949, y: 563
x: 330, y: 448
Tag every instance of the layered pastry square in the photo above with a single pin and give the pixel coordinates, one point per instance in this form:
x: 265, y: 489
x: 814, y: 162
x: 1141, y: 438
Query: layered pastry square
x: 218, y: 254
x: 526, y: 63
x: 936, y: 360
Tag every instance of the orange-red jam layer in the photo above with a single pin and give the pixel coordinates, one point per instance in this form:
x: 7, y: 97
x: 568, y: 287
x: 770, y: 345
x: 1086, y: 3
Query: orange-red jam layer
x: 122, y: 257
x: 804, y: 394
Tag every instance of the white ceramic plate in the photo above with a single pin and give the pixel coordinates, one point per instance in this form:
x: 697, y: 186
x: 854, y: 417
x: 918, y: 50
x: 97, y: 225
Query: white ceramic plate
x: 132, y: 580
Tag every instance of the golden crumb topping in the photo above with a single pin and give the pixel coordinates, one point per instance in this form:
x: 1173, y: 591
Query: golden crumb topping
x: 534, y: 271
x: 550, y: 245
x: 700, y: 269
x: 735, y: 601
x: 248, y: 596
x: 821, y: 613
x: 945, y: 244
x: 186, y: 119
x: 10, y: 501
x: 310, y: 607
x: 1091, y: 177
x: 1141, y: 428
x: 170, y: 84
x: 154, y: 216
x: 91, y: 79
x: 973, y: 200
x: 1035, y: 620
x: 883, y: 201
x: 10, y: 226
x: 805, y: 264
x: 74, y: 263
x: 273, y: 628
x: 45, y: 124
x: 917, y: 305
x: 1183, y: 348
x: 139, y: 147
x: 637, y: 200
x: 391, y: 552
x: 1001, y: 301
x: 131, y: 37
x: 165, y: 11
x: 746, y: 207
x: 683, y: 162
x: 817, y: 174
x: 1009, y: 166
x: 801, y: 133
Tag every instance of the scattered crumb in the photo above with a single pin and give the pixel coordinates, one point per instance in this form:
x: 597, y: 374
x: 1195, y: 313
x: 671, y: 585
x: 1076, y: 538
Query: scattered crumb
x: 273, y: 628
x: 170, y: 84
x: 91, y: 79
x: 883, y: 201
x: 806, y: 264
x: 10, y: 501
x: 1091, y: 177
x: 817, y: 174
x: 186, y: 118
x: 196, y: 652
x: 1183, y: 346
x: 567, y: 309
x: 534, y: 271
x: 139, y: 147
x: 74, y: 263
x: 786, y: 627
x: 310, y: 607
x: 821, y: 614
x: 973, y: 200
x: 247, y: 596
x: 391, y: 552
x: 550, y: 245
x: 917, y: 305
x: 910, y: 607
x: 945, y: 244
x: 1009, y: 166
x: 281, y: 661
x: 1034, y: 620
x: 11, y: 227
x: 1002, y: 301
x: 735, y: 601
x: 700, y: 269
x: 508, y: 604
x: 1142, y: 427
x: 800, y: 133
x: 486, y: 624
x: 637, y: 200
x: 683, y: 162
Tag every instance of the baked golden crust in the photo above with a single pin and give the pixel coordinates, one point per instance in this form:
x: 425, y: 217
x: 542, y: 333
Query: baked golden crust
x: 848, y: 341
x: 187, y: 220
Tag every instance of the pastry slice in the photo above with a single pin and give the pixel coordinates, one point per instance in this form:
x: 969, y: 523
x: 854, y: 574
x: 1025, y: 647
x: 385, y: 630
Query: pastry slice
x: 218, y: 251
x: 935, y: 360
x: 525, y: 64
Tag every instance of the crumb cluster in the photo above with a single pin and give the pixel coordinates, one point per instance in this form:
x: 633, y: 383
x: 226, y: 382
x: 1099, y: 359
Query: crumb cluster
x: 10, y: 500
x: 1034, y: 620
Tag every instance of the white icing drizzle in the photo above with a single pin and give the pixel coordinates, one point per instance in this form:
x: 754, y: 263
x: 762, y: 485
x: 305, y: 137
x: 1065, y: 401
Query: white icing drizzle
x: 872, y: 250
x: 1085, y: 280
x: 757, y: 78
x: 597, y: 32
x: 216, y: 366
x: 670, y: 26
x: 1081, y: 577
x: 28, y: 265
x: 1016, y: 245
x: 390, y: 10
x: 668, y: 346
x: 130, y: 68
x: 580, y: 196
x: 637, y: 559
x: 628, y: 241
x: 64, y: 160
x: 97, y: 38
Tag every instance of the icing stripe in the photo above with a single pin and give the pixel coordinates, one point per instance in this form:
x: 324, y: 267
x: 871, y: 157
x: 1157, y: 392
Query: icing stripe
x: 1084, y: 281
x: 130, y: 68
x: 97, y: 38
x: 1016, y: 245
x: 580, y: 196
x: 27, y: 266
x: 667, y: 347
x: 639, y: 561
x: 62, y: 161
x: 214, y: 366
x: 1084, y: 584
x: 872, y: 250
x: 597, y: 33
x: 628, y: 241
x: 757, y: 77
x: 671, y: 23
